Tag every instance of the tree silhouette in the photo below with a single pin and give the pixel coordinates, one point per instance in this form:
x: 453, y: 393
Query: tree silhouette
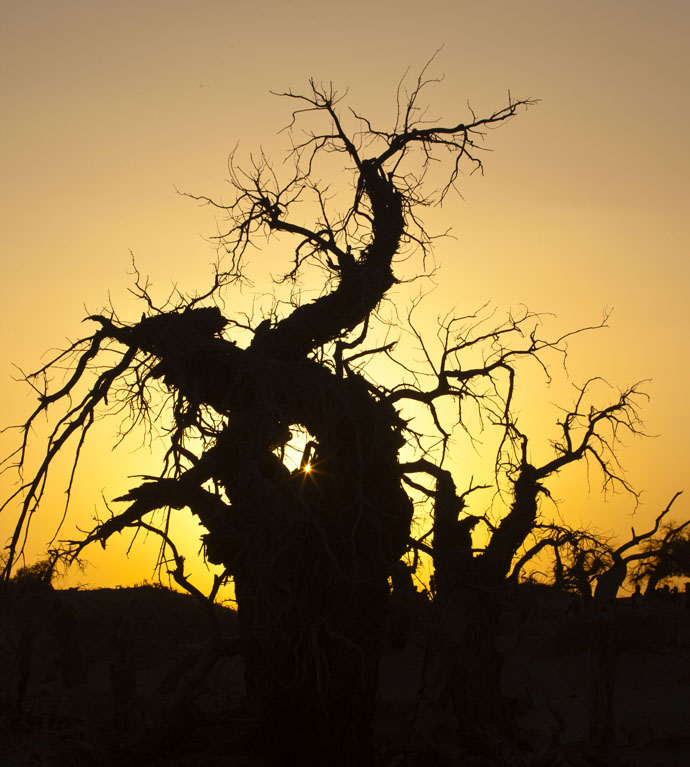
x: 311, y: 548
x: 583, y: 558
x: 666, y: 555
x: 604, y: 638
x: 473, y: 582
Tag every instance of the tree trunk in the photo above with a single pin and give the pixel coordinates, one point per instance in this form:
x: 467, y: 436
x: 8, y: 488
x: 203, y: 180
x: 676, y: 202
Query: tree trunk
x: 314, y: 682
x: 604, y: 655
x: 467, y: 606
x: 312, y: 574
x: 315, y: 625
x: 478, y: 698
x: 464, y: 667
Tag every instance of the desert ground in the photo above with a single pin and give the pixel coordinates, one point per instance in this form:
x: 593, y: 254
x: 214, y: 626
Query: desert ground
x: 137, y: 676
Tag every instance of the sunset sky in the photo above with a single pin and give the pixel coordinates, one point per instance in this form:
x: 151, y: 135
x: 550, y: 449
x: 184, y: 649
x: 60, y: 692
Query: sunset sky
x: 110, y: 107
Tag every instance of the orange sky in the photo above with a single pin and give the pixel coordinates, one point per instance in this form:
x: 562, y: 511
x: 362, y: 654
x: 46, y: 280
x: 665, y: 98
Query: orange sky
x: 110, y: 106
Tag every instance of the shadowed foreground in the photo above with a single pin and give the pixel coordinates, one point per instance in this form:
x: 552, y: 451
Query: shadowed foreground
x: 98, y: 677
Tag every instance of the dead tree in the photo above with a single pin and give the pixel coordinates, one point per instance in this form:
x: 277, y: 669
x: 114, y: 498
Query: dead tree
x: 472, y: 583
x: 604, y: 639
x: 583, y: 558
x: 609, y: 582
x: 579, y: 557
x: 668, y: 556
x: 310, y: 552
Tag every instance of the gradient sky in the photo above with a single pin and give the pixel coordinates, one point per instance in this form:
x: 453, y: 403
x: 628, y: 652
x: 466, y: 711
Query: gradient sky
x: 109, y: 107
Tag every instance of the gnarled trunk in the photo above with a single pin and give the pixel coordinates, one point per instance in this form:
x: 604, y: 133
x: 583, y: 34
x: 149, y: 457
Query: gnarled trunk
x: 312, y: 575
x: 469, y: 593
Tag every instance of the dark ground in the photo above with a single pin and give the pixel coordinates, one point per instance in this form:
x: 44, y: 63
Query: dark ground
x: 119, y: 675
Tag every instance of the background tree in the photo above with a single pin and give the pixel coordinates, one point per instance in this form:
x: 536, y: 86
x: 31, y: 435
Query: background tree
x: 583, y: 558
x: 472, y: 582
x: 640, y: 547
x: 604, y: 633
x: 579, y: 557
x: 667, y: 555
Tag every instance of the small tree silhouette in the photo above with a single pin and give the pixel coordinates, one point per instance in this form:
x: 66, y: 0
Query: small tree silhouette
x: 41, y: 573
x: 666, y: 555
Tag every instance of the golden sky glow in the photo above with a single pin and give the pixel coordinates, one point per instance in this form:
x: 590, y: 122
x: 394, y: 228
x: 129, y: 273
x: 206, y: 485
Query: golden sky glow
x: 109, y: 107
